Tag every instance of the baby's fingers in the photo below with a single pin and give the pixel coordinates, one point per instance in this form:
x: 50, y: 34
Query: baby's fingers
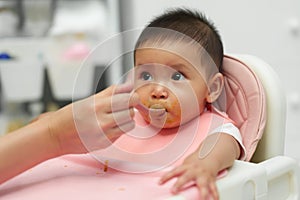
x: 182, y: 181
x: 171, y: 174
x: 214, y: 191
x: 207, y: 190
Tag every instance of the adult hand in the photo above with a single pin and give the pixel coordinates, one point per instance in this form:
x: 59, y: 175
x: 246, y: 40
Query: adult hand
x: 95, y: 122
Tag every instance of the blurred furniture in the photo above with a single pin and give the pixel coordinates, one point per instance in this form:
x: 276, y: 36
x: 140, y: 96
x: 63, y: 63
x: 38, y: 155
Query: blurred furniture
x: 70, y: 75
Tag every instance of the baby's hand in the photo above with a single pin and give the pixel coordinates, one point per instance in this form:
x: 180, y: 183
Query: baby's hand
x: 195, y: 171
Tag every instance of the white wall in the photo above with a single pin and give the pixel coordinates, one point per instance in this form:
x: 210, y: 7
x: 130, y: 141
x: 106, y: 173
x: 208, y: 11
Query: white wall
x: 267, y: 29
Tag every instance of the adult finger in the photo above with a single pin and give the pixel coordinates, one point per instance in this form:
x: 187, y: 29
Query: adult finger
x: 122, y: 117
x: 123, y: 101
x: 120, y: 129
x: 107, y: 91
x: 127, y: 87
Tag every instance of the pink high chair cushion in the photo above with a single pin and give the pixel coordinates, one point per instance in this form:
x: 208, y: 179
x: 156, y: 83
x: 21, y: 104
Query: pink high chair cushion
x: 244, y: 101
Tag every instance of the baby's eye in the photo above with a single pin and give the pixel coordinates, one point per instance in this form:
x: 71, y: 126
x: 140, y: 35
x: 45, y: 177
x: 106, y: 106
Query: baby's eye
x: 146, y: 76
x: 177, y: 76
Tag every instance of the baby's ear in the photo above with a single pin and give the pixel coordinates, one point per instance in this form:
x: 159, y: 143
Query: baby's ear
x: 215, y: 85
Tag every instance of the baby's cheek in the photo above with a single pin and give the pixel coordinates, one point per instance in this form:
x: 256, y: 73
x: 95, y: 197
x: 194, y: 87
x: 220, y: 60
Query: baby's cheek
x: 175, y: 113
x: 145, y: 102
x: 144, y: 96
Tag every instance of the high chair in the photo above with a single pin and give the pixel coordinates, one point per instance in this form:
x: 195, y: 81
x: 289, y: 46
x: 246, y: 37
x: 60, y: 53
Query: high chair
x: 256, y: 102
x: 253, y: 98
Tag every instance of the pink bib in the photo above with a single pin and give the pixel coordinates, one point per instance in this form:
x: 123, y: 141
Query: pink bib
x: 147, y: 148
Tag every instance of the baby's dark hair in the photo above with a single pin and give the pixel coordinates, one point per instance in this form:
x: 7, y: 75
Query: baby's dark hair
x: 190, y: 23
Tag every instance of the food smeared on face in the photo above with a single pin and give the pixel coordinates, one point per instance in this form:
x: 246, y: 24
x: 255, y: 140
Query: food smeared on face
x: 170, y: 88
x: 157, y: 107
x: 160, y: 113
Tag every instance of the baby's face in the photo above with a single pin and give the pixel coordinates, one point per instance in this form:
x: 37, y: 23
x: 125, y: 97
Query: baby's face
x: 169, y: 86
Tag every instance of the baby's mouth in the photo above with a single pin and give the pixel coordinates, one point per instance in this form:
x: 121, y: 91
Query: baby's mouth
x: 157, y: 111
x: 154, y: 109
x: 157, y: 108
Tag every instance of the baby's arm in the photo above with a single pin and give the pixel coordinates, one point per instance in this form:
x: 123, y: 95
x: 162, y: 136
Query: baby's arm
x: 202, y: 168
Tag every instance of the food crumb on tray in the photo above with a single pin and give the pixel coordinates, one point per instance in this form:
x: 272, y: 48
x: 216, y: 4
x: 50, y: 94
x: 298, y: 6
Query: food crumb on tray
x: 105, y: 166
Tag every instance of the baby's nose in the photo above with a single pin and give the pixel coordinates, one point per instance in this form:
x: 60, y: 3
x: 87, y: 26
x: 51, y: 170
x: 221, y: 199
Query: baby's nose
x: 159, y: 92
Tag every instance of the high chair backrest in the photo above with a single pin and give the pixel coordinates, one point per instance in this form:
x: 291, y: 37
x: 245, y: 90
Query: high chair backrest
x: 254, y: 99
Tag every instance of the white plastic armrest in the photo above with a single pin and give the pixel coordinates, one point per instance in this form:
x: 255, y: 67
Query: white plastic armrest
x: 283, y: 177
x: 277, y: 178
x: 244, y: 181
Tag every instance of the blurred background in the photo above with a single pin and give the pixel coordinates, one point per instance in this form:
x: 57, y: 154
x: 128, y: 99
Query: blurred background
x: 45, y: 43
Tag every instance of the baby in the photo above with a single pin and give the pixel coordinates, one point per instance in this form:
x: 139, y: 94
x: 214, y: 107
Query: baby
x: 177, y: 76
